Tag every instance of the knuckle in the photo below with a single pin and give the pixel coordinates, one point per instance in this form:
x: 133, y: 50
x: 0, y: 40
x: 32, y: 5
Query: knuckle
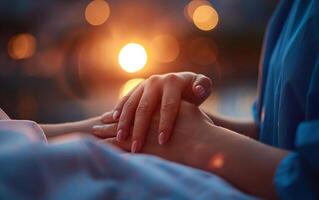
x: 173, y: 78
x: 129, y: 104
x: 153, y: 79
x: 143, y: 108
x: 169, y: 105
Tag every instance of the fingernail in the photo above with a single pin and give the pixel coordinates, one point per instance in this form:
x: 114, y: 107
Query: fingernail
x: 105, y: 118
x: 116, y: 115
x: 120, y: 136
x: 134, y: 146
x: 97, y: 127
x: 161, y: 138
x: 200, y: 90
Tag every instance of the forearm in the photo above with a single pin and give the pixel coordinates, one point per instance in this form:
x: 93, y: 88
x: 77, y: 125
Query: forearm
x: 84, y: 126
x: 246, y: 163
x: 247, y: 128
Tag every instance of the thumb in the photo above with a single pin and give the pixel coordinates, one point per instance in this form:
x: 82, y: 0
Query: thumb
x: 201, y: 89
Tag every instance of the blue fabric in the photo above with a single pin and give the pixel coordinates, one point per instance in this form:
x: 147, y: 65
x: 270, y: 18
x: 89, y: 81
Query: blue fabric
x: 287, y: 107
x: 86, y: 169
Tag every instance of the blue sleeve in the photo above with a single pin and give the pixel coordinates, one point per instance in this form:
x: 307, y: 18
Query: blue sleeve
x: 297, y: 175
x: 86, y: 169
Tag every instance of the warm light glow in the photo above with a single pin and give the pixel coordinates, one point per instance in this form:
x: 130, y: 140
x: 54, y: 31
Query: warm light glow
x: 205, y: 18
x: 132, y: 57
x: 129, y: 85
x: 21, y: 46
x: 97, y: 12
x: 217, y: 161
x: 191, y: 7
x: 164, y: 48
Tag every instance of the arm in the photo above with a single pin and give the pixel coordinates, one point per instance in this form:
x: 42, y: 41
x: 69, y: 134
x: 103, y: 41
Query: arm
x: 84, y: 126
x: 245, y: 127
x: 246, y: 163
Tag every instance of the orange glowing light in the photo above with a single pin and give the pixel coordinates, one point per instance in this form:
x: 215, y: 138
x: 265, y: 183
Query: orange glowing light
x: 129, y: 85
x: 165, y: 48
x: 21, y: 46
x: 97, y: 12
x: 205, y: 18
x: 191, y: 7
x: 217, y: 161
x: 132, y: 57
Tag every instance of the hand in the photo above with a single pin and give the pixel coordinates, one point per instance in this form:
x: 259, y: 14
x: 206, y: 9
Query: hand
x: 198, y: 143
x: 190, y: 136
x: 136, y: 109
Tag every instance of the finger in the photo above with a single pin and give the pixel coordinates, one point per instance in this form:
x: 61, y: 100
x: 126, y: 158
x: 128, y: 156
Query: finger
x: 202, y: 86
x: 104, y: 131
x: 124, y: 145
x: 128, y: 113
x: 119, y: 106
x: 107, y: 117
x: 201, y: 89
x: 143, y: 116
x: 169, y: 109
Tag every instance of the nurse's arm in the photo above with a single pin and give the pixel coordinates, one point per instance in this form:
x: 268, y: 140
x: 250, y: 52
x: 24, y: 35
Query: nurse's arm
x: 249, y: 165
x: 245, y: 127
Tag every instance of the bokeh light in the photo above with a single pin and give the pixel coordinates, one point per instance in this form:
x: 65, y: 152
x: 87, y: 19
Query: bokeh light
x: 132, y: 57
x: 21, y: 46
x: 129, y: 85
x: 217, y: 161
x: 205, y: 18
x: 97, y: 12
x: 192, y: 6
x: 164, y: 48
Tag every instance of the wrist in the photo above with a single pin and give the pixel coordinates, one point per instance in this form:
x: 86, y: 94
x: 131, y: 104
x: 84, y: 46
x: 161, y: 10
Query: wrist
x: 205, y: 147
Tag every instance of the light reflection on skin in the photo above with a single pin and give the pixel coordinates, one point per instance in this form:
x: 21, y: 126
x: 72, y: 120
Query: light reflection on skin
x: 217, y: 161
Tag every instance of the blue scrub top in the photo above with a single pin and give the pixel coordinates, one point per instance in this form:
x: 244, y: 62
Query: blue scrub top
x: 287, y: 107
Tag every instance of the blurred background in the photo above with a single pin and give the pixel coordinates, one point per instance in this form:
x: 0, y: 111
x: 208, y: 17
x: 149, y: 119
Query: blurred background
x: 64, y: 60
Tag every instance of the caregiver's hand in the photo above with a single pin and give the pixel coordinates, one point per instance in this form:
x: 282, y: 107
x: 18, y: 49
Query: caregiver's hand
x: 196, y: 141
x: 138, y: 106
x: 190, y: 134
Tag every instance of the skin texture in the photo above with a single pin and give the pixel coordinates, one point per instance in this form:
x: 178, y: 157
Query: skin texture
x: 244, y: 127
x: 197, y: 142
x: 135, y: 110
